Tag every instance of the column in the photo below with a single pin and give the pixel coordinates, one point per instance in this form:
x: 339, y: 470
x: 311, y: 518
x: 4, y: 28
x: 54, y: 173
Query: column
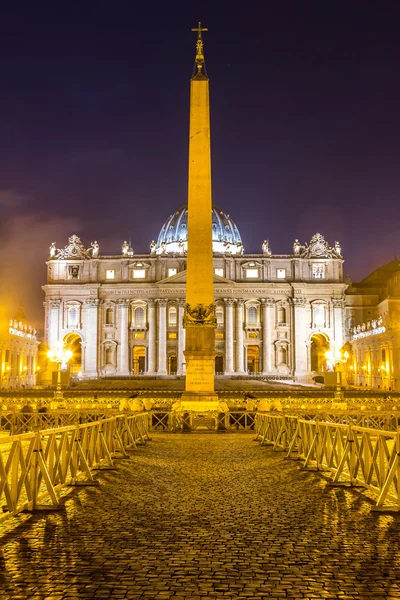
x: 53, y: 323
x: 90, y: 326
x: 152, y: 350
x: 123, y: 346
x: 300, y: 325
x: 162, y: 337
x: 181, y: 338
x: 229, y: 366
x: 268, y: 323
x: 239, y: 338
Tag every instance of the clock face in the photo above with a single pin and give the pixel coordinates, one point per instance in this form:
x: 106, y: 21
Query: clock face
x: 318, y: 249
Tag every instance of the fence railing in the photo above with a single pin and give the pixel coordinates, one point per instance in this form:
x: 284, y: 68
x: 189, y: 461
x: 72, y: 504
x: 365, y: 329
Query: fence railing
x: 354, y: 456
x: 35, y: 466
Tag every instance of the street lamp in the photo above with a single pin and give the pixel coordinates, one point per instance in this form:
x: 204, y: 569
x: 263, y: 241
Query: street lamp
x: 337, y: 357
x: 61, y: 356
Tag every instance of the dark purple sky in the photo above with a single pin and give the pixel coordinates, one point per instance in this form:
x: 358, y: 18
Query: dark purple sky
x: 94, y: 98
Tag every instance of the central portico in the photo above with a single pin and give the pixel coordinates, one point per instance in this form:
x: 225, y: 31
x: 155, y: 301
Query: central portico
x: 199, y: 317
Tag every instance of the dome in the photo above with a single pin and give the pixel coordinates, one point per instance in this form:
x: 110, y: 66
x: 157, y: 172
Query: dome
x: 173, y: 235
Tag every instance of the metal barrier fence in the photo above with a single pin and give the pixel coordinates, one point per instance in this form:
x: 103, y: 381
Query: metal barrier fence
x: 389, y: 420
x: 354, y: 456
x: 22, y: 422
x: 35, y: 466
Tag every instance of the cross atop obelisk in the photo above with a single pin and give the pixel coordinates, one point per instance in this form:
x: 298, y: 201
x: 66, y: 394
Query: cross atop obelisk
x: 199, y: 318
x: 199, y: 47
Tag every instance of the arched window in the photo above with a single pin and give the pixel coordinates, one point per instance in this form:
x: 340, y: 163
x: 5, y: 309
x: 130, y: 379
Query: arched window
x: 281, y: 314
x: 252, y: 315
x: 109, y: 316
x: 172, y: 316
x: 73, y: 316
x: 219, y: 312
x: 139, y: 316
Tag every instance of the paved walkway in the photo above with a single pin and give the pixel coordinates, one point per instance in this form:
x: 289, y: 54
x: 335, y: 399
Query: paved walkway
x: 204, y: 516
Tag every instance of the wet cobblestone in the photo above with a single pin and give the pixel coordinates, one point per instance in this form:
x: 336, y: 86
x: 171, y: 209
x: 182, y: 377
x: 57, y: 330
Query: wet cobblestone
x: 204, y: 516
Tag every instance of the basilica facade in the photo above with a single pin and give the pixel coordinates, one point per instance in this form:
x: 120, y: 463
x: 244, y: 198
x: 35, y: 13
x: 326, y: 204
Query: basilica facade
x: 122, y: 315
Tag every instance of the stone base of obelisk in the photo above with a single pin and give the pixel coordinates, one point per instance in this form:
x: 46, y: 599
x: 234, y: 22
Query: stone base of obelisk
x: 199, y: 394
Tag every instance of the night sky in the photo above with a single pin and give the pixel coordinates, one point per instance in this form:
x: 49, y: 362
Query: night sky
x: 94, y: 104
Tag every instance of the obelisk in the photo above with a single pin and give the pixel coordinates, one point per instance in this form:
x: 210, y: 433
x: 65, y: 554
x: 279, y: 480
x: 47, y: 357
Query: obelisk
x: 199, y: 317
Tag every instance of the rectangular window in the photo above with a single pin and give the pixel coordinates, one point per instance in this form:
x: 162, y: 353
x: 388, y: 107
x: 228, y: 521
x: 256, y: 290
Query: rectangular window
x: 253, y: 334
x: 139, y: 273
x: 172, y: 272
x: 252, y: 273
x: 318, y: 271
x: 172, y: 336
x: 219, y: 336
x: 219, y: 272
x: 139, y: 336
x: 281, y: 273
x: 110, y: 274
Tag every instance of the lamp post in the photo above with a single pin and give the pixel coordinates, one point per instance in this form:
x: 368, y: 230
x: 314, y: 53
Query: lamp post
x: 337, y: 357
x: 61, y: 356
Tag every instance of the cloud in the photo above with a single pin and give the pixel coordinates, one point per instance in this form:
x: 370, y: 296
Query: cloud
x: 12, y: 199
x: 24, y: 248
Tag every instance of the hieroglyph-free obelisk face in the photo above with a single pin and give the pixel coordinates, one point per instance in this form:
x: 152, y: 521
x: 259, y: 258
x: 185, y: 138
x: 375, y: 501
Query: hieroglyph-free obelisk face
x: 199, y: 317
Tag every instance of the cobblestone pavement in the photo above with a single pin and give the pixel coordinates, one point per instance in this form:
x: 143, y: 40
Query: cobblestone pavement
x: 204, y: 516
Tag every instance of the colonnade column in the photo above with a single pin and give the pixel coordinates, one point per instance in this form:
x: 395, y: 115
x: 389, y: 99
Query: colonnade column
x: 123, y: 346
x: 90, y: 318
x: 162, y: 337
x: 151, y: 351
x: 229, y: 366
x: 239, y: 338
x: 181, y: 338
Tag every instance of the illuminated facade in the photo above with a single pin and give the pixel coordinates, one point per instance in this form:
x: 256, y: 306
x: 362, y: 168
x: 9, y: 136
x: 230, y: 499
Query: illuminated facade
x: 122, y: 314
x: 18, y: 353
x: 373, y: 329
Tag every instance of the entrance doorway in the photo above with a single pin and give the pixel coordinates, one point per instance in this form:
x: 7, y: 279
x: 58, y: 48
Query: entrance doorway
x: 319, y: 347
x: 139, y: 359
x: 73, y: 342
x: 253, y: 359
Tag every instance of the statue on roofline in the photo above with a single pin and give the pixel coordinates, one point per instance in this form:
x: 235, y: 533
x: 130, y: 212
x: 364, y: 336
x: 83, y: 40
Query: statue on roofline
x: 94, y: 249
x: 266, y: 249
